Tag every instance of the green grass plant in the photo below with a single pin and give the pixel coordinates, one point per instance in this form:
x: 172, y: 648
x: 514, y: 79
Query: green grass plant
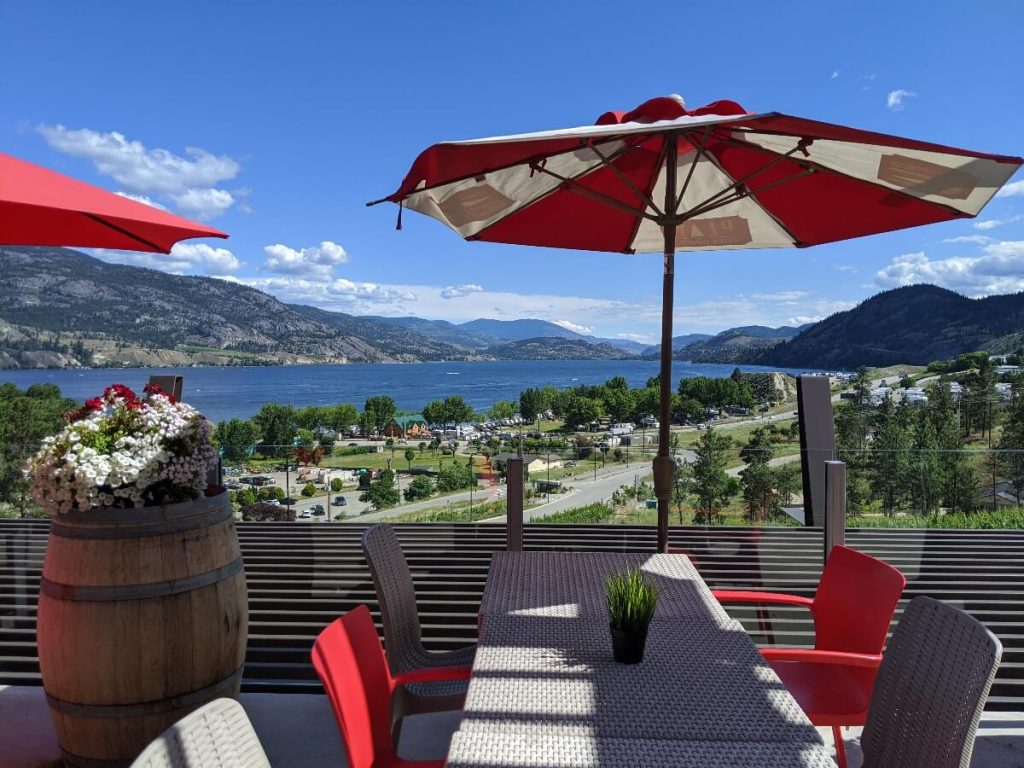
x: 631, y: 600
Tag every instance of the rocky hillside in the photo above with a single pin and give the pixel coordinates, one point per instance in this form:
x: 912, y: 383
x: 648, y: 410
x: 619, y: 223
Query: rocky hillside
x: 915, y: 324
x: 60, y: 300
x: 735, y: 345
x: 557, y: 349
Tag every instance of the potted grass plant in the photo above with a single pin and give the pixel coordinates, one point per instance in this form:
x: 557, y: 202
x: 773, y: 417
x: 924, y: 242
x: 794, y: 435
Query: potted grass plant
x: 631, y: 603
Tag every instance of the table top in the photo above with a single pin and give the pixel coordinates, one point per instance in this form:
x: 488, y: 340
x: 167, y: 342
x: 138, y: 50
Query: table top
x: 572, y: 584
x: 544, y: 681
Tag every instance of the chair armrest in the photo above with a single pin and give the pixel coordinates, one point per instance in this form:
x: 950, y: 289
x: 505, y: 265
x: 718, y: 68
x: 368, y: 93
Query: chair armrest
x: 432, y: 675
x: 810, y: 655
x: 754, y: 596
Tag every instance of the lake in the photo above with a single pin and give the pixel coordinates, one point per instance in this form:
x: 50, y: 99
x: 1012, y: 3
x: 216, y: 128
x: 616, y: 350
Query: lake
x: 225, y: 393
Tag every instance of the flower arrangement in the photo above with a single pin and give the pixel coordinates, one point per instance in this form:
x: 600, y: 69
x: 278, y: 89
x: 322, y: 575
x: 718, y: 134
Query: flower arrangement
x: 120, y: 450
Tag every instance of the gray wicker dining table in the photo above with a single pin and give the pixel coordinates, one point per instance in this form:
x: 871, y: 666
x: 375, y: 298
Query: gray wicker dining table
x: 545, y: 690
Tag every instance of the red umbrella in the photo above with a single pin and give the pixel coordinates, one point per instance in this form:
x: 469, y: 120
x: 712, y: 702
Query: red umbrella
x: 41, y: 207
x: 663, y: 178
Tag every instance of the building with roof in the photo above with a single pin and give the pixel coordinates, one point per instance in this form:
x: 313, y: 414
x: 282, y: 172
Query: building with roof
x: 409, y: 426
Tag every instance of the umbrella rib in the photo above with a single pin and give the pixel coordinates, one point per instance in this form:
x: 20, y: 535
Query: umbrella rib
x: 625, y: 180
x: 565, y: 181
x: 743, y: 182
x: 708, y: 206
x: 698, y: 153
x: 531, y: 160
x: 828, y: 169
x: 123, y: 231
x: 574, y: 186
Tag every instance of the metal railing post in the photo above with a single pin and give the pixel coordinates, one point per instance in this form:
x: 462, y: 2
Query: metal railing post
x: 835, y: 505
x: 514, y: 504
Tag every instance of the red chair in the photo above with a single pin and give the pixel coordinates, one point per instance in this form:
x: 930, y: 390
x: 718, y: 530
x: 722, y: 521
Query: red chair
x: 852, y: 610
x: 350, y: 661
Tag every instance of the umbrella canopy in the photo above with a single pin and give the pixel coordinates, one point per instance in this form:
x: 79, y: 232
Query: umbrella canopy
x: 663, y: 178
x: 41, y: 207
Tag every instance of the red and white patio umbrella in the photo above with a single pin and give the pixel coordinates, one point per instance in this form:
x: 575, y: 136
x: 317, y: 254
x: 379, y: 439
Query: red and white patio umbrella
x: 42, y: 207
x: 663, y: 179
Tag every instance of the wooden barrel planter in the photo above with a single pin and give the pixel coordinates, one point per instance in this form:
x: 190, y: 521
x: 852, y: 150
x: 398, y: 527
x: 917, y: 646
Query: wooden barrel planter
x: 143, y: 617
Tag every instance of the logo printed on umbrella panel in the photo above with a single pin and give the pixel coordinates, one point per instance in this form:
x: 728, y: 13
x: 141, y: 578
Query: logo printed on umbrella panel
x: 478, y: 203
x: 702, y: 233
x: 923, y: 178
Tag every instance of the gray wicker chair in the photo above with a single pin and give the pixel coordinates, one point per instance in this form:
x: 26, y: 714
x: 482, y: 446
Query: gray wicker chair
x: 930, y: 690
x: 217, y: 735
x: 403, y: 642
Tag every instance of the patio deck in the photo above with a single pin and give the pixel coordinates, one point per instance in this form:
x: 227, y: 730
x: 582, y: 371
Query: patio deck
x: 298, y: 731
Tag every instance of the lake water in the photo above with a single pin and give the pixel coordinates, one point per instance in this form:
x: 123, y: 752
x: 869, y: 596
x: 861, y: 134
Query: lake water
x: 225, y: 393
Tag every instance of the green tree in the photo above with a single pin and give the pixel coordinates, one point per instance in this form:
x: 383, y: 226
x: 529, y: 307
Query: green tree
x: 619, y: 402
x: 381, y: 409
x: 337, y: 485
x: 382, y: 492
x: 25, y: 419
x: 712, y: 485
x: 433, y: 412
x: 757, y: 477
x: 1011, y: 442
x: 410, y: 454
x: 237, y: 438
x: 308, y: 490
x: 342, y: 416
x: 531, y: 403
x: 276, y: 423
x: 420, y: 488
x: 390, y: 445
x: 456, y: 410
x: 890, y: 455
x: 503, y: 409
x: 580, y: 411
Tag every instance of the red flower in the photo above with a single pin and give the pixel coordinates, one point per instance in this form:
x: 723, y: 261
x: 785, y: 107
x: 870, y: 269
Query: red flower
x: 93, y: 404
x: 120, y: 390
x: 154, y: 389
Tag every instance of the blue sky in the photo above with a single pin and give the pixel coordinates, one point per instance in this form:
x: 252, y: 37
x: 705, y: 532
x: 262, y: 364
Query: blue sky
x: 277, y: 122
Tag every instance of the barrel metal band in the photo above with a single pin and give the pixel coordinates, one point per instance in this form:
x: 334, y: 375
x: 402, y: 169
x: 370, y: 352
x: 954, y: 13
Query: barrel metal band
x: 156, y: 528
x: 226, y: 686
x: 109, y: 594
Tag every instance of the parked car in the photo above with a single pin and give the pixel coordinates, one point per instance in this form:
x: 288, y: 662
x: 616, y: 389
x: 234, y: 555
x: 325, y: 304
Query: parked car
x: 305, y: 514
x: 231, y: 485
x: 318, y: 513
x: 340, y: 501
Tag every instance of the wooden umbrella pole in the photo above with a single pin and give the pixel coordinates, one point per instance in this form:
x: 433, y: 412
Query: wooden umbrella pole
x: 664, y: 466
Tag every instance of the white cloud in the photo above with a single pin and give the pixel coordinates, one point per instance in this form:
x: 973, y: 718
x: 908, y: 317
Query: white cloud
x: 999, y: 269
x: 988, y: 224
x: 204, y: 204
x: 569, y: 325
x: 142, y: 199
x: 189, y: 180
x: 975, y: 239
x: 846, y: 268
x: 642, y: 338
x: 835, y: 74
x: 785, y: 297
x: 317, y: 261
x: 1013, y: 189
x: 805, y: 319
x: 457, y: 291
x: 184, y: 259
x: 896, y: 99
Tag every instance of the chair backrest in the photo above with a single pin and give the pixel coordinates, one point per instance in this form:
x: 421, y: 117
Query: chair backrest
x: 855, y: 601
x: 217, y: 735
x: 931, y: 689
x: 350, y: 662
x: 392, y: 581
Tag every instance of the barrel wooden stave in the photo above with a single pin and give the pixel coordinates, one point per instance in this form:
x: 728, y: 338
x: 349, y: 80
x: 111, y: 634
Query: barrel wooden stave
x: 119, y: 671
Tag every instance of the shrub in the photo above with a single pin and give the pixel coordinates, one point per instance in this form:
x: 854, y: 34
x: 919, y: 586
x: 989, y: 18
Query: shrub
x: 309, y: 490
x: 420, y: 488
x: 337, y: 485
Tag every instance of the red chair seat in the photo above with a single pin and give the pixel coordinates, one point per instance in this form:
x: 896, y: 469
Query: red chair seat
x: 830, y: 694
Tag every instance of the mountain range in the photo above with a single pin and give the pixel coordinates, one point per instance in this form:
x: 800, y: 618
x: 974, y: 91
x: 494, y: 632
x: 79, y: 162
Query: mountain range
x: 60, y: 307
x: 915, y: 324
